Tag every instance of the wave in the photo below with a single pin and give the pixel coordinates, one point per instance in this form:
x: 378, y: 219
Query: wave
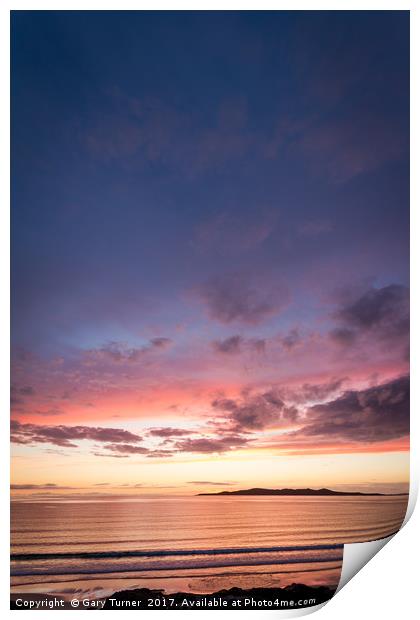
x: 99, y: 570
x: 120, y: 577
x: 166, y: 552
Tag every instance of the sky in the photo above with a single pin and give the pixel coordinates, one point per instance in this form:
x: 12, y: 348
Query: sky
x: 210, y: 242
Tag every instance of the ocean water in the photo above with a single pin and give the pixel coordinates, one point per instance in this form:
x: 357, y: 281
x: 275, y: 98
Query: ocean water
x: 195, y: 544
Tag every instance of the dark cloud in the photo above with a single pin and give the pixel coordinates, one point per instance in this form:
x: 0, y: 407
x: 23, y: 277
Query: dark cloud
x: 211, y: 445
x: 233, y: 298
x: 120, y: 352
x: 343, y: 335
x: 237, y: 344
x: 65, y: 435
x: 168, y: 431
x: 27, y: 390
x: 18, y: 392
x: 287, y: 398
x: 383, y: 312
x: 230, y: 345
x: 158, y: 343
x: 388, y: 304
x: 258, y: 344
x: 15, y: 400
x: 375, y: 414
x: 256, y: 411
x: 291, y: 340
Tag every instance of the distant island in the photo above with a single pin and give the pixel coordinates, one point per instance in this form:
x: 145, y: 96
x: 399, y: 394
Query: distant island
x: 258, y: 491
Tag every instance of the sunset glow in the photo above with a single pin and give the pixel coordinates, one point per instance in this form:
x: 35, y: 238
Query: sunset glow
x: 210, y: 282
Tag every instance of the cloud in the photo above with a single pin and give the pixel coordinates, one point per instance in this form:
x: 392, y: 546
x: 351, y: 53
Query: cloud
x: 291, y: 340
x: 158, y: 343
x: 375, y: 414
x: 258, y: 344
x: 321, y: 391
x: 314, y: 228
x: 136, y: 132
x: 168, y: 431
x: 230, y: 345
x: 17, y: 393
x: 144, y: 129
x: 382, y: 313
x: 233, y: 345
x: 27, y: 390
x: 236, y: 344
x: 65, y: 435
x: 153, y: 454
x: 377, y: 306
x: 140, y: 131
x: 344, y: 147
x: 308, y: 393
x: 343, y: 336
x: 121, y: 352
x: 126, y: 448
x: 211, y: 445
x: 211, y: 483
x: 114, y: 456
x: 234, y: 298
x: 29, y: 487
x: 231, y: 233
x: 256, y: 411
x: 51, y: 411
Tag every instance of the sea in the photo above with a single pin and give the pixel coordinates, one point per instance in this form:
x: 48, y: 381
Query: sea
x: 74, y: 547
